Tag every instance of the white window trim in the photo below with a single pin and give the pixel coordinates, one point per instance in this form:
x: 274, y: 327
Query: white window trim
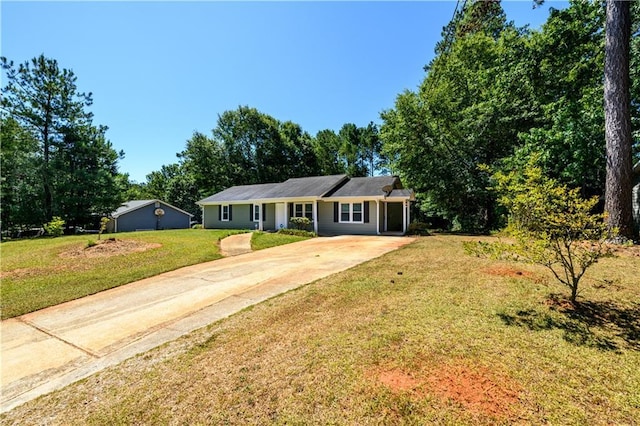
x: 222, y: 218
x: 351, y: 212
x: 259, y: 206
x: 304, y: 209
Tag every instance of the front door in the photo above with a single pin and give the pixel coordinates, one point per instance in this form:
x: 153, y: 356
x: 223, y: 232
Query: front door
x: 281, y: 216
x: 394, y: 217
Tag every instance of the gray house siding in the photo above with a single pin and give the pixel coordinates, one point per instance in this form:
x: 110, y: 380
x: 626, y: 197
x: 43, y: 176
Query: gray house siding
x: 327, y: 226
x: 144, y: 218
x: 240, y: 217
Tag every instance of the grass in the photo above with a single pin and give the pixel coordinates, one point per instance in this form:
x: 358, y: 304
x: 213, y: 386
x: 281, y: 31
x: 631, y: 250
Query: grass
x: 35, y: 276
x: 403, y: 339
x: 263, y: 240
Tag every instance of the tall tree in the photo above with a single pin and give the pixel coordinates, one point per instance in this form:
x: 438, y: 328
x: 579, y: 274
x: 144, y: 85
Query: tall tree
x: 20, y: 180
x: 351, y: 150
x: 204, y: 160
x: 618, y: 118
x: 44, y: 99
x: 85, y: 183
x: 565, y: 72
x: 298, y: 144
x: 469, y: 109
x: 326, y: 146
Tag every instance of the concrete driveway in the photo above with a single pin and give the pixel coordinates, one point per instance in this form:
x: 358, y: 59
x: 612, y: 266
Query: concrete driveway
x: 51, y: 348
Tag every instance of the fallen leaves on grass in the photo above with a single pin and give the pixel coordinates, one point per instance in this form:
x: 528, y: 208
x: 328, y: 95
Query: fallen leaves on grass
x: 504, y: 271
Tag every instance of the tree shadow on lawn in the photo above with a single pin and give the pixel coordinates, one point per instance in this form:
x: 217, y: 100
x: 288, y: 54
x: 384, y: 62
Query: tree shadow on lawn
x: 601, y: 325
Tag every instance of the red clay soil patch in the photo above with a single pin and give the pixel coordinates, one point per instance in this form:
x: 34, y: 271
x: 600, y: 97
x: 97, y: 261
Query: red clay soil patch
x: 110, y: 247
x: 398, y: 381
x: 477, y: 389
x: 504, y: 271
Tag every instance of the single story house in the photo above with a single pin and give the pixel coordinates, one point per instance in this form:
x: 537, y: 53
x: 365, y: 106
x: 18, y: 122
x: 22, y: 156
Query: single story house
x: 335, y: 205
x: 139, y: 215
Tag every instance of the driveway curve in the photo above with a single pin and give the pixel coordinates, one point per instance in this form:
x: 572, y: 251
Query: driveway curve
x: 51, y: 348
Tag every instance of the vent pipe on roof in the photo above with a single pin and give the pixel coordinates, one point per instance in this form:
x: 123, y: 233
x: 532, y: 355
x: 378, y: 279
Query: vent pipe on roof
x: 387, y: 190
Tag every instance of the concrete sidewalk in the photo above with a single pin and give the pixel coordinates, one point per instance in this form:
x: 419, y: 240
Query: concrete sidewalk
x: 51, y: 348
x: 236, y: 244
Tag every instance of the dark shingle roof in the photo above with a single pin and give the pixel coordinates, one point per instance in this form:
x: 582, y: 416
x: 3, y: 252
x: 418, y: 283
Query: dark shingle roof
x: 241, y: 193
x: 401, y: 193
x: 366, y: 186
x: 315, y: 186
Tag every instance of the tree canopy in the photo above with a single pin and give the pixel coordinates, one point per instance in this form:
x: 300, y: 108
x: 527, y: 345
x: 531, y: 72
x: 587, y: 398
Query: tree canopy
x: 56, y: 162
x: 493, y: 95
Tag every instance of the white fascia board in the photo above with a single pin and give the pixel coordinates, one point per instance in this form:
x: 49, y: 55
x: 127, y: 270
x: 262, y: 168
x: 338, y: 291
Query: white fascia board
x: 263, y: 201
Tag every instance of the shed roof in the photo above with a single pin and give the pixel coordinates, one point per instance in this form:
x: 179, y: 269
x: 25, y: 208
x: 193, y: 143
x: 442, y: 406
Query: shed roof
x: 132, y: 205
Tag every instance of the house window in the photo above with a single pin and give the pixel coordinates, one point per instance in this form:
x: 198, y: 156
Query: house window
x: 256, y: 212
x: 225, y: 213
x: 303, y: 210
x: 357, y: 212
x: 351, y: 212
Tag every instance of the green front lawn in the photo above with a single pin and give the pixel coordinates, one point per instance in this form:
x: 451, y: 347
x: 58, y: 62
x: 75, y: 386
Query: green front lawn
x: 37, y: 274
x: 263, y: 240
x: 422, y: 335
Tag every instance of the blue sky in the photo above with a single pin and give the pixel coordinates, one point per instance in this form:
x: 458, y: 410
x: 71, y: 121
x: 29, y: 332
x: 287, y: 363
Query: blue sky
x: 159, y: 71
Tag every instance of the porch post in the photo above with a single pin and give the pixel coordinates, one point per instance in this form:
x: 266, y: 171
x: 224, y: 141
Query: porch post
x: 315, y: 216
x: 408, y: 215
x: 385, y: 217
x: 260, y: 223
x: 286, y: 214
x: 377, y: 217
x: 202, y: 207
x: 404, y: 217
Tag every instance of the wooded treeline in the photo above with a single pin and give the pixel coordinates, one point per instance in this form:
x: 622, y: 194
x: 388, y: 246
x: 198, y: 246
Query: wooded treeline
x: 54, y: 160
x: 248, y: 147
x: 493, y: 95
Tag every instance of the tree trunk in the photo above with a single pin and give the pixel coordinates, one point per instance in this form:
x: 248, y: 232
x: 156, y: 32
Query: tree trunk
x: 617, y: 118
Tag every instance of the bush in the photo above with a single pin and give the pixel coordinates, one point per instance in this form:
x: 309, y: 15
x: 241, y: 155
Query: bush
x: 55, y: 228
x: 104, y: 221
x: 297, y: 232
x: 418, y: 228
x: 552, y: 225
x: 197, y: 226
x: 301, y: 223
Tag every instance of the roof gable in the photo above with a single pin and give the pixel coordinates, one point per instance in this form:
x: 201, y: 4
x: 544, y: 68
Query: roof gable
x: 132, y: 205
